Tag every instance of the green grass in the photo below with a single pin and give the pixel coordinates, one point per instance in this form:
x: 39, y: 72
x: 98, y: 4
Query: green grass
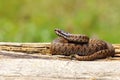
x: 35, y: 20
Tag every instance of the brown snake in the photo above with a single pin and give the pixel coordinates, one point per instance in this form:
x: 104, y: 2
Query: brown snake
x: 80, y: 46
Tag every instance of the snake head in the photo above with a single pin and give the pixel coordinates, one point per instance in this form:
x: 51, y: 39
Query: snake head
x: 62, y: 33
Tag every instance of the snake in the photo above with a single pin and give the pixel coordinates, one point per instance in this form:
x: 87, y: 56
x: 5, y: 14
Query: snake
x: 80, y: 46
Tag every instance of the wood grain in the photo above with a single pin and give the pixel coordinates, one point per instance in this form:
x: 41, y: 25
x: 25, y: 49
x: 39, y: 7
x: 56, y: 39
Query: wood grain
x: 36, y: 49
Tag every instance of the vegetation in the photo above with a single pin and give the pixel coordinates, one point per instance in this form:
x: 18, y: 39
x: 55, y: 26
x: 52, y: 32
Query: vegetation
x: 35, y: 20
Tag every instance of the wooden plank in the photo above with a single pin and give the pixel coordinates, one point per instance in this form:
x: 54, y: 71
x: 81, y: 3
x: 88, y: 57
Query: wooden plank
x: 36, y: 69
x: 35, y: 66
x: 36, y: 49
x: 43, y: 48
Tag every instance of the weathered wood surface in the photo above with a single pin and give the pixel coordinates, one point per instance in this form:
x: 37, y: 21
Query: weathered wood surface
x: 43, y: 48
x: 40, y: 69
x: 25, y: 61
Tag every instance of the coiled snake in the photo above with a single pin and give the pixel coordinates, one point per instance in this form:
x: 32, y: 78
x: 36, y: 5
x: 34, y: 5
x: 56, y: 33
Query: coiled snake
x: 80, y: 46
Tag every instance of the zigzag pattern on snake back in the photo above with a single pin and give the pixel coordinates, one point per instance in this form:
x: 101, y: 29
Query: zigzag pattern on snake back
x: 80, y: 46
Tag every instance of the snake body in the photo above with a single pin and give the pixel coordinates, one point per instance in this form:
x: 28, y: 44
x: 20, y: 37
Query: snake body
x: 80, y: 46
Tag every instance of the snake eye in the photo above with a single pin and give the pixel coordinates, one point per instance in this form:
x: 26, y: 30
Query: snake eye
x: 56, y: 29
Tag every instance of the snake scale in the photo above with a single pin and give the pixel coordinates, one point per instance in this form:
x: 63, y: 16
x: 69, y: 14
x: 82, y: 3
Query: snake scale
x: 81, y: 47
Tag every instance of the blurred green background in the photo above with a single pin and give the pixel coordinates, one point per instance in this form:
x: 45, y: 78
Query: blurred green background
x: 35, y: 20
